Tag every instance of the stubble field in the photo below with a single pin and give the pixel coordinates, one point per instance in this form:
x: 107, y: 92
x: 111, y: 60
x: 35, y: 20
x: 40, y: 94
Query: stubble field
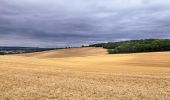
x: 85, y: 74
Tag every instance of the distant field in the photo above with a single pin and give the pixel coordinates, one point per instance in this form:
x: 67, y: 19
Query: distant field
x: 85, y: 74
x: 72, y: 52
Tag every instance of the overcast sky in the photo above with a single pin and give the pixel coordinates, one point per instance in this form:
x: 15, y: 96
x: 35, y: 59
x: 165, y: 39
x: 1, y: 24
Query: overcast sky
x: 59, y: 23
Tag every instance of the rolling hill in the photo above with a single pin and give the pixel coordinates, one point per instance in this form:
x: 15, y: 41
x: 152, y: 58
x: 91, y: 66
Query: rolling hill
x: 85, y: 74
x: 71, y: 52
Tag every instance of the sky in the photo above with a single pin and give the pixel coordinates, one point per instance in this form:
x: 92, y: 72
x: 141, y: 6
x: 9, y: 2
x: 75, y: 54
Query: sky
x: 60, y: 23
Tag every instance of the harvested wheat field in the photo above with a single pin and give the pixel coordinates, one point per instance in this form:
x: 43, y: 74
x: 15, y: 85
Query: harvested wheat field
x: 93, y: 75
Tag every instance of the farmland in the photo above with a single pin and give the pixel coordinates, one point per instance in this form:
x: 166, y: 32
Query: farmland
x: 85, y: 74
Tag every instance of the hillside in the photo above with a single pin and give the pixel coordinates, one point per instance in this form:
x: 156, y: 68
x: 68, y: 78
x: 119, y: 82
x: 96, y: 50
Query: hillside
x: 72, y: 52
x: 85, y: 74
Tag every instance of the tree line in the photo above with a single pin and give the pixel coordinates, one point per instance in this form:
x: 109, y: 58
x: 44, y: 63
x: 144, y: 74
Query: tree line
x: 136, y: 46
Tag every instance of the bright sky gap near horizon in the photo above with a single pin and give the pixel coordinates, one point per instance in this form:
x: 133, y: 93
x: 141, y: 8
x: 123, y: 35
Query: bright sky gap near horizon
x: 60, y: 23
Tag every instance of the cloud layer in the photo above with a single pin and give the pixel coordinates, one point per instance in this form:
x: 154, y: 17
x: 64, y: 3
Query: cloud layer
x: 59, y: 23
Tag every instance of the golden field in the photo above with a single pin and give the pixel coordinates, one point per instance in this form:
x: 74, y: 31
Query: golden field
x: 85, y: 74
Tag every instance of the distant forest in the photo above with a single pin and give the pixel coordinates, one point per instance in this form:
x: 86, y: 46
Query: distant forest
x: 136, y: 46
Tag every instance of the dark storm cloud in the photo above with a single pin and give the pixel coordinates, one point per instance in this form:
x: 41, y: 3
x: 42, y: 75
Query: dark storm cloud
x: 51, y: 23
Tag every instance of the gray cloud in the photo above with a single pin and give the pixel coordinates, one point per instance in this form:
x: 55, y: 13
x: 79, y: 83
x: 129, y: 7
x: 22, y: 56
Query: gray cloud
x: 51, y: 23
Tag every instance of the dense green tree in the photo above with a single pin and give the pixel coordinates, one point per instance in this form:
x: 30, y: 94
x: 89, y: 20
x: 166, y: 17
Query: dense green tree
x: 134, y: 46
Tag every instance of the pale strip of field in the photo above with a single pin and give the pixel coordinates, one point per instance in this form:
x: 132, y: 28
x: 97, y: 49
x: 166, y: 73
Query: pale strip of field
x: 98, y: 76
x: 71, y: 52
